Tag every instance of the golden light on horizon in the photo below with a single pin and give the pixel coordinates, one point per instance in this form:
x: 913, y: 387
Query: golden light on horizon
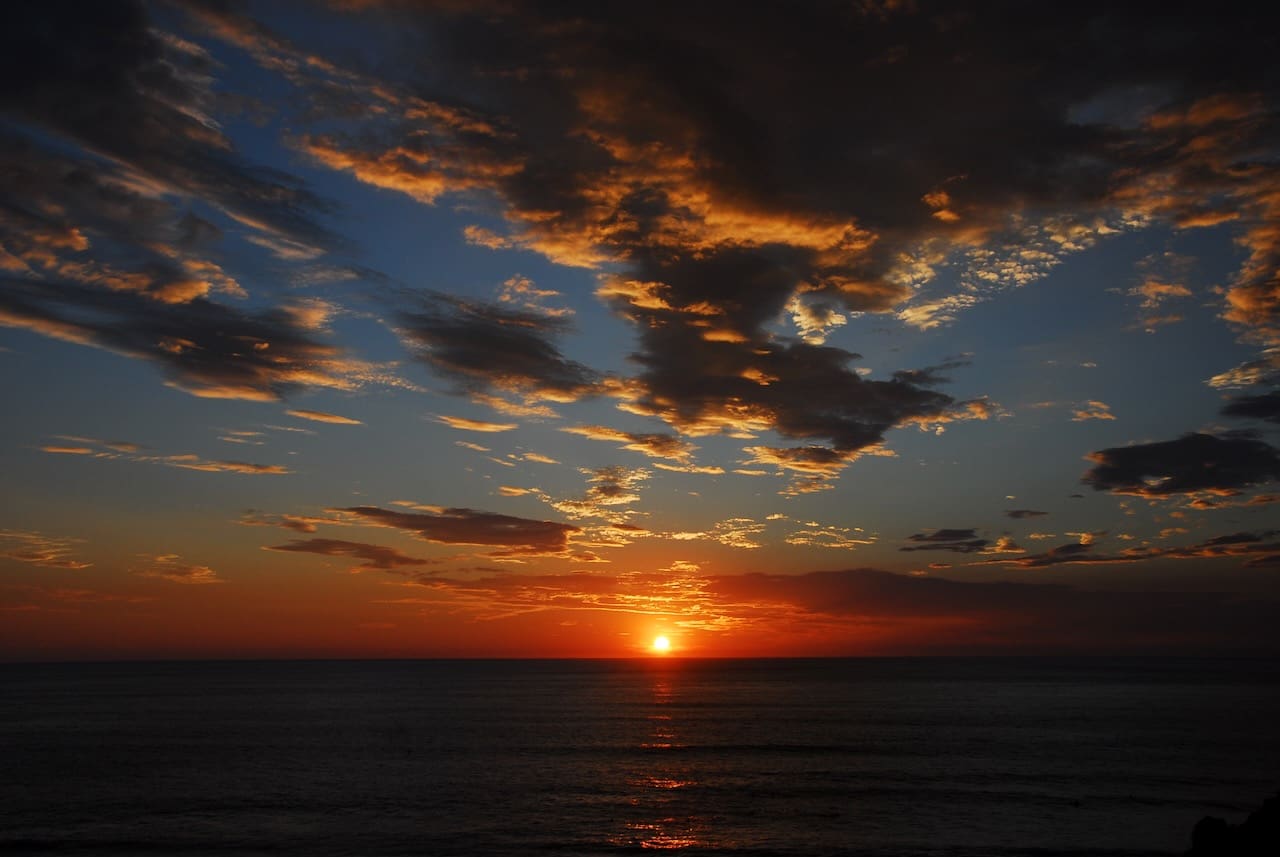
x: 661, y: 645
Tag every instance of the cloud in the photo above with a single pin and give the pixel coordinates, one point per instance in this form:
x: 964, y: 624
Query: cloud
x: 736, y: 223
x: 323, y: 417
x: 517, y: 536
x: 840, y: 538
x: 464, y: 424
x: 610, y: 488
x: 111, y: 81
x: 653, y: 445
x: 483, y: 348
x: 1257, y: 548
x: 374, y: 556
x: 119, y: 451
x: 40, y: 550
x: 1092, y: 410
x: 1019, y: 514
x: 956, y: 541
x: 204, y: 348
x: 732, y: 532
x: 167, y: 567
x: 814, y: 468
x: 928, y: 613
x: 297, y: 523
x: 1265, y: 406
x: 1217, y: 464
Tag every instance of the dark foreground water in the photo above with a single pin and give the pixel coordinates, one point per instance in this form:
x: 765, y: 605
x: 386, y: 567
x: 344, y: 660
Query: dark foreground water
x: 871, y: 757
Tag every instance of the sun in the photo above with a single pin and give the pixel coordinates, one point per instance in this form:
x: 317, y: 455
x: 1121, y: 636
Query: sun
x: 661, y: 645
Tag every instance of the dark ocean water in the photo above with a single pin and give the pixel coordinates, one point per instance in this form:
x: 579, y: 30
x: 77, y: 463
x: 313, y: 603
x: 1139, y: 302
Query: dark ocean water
x: 869, y: 757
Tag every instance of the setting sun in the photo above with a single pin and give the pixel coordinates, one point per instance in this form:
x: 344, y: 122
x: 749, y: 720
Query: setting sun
x: 661, y: 644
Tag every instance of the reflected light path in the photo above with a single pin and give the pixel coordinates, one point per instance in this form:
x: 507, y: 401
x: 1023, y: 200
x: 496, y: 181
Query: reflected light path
x: 664, y: 793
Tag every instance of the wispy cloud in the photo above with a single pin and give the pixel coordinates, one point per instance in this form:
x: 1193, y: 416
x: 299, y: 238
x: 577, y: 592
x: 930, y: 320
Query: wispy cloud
x: 40, y: 550
x: 323, y: 417
x: 168, y: 567
x: 117, y: 451
x: 465, y: 424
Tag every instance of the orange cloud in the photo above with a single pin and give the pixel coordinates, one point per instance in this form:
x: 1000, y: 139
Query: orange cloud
x: 465, y: 424
x: 323, y: 417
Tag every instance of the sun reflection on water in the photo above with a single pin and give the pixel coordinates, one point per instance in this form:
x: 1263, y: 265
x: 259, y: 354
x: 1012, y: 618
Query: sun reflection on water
x: 660, y: 793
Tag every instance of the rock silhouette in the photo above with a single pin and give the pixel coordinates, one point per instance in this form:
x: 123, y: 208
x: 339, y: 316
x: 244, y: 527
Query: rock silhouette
x: 1258, y: 836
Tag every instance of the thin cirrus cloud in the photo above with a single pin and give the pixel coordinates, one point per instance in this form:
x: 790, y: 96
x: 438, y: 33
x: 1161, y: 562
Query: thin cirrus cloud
x: 323, y: 417
x: 40, y: 550
x: 169, y: 567
x: 465, y: 424
x: 117, y: 451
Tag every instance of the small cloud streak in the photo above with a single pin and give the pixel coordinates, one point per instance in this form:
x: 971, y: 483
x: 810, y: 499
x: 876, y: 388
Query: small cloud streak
x: 464, y: 424
x: 168, y: 567
x: 376, y: 557
x: 40, y: 550
x: 323, y: 417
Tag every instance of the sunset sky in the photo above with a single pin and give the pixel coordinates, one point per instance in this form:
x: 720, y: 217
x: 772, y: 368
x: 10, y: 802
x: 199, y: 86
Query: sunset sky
x: 491, y: 328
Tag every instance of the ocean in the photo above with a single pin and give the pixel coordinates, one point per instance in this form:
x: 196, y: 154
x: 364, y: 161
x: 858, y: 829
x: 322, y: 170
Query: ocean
x: 889, y: 757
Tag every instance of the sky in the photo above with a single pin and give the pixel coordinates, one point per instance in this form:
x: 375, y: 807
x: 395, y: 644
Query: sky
x: 494, y: 328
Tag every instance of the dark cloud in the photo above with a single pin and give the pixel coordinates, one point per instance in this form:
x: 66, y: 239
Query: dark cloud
x: 994, y: 615
x: 1256, y: 547
x: 519, y: 536
x: 1265, y: 406
x: 1019, y: 514
x: 374, y: 556
x: 685, y: 154
x: 206, y: 348
x: 1191, y: 464
x: 485, y: 347
x: 957, y: 541
x: 1075, y: 552
x: 102, y: 76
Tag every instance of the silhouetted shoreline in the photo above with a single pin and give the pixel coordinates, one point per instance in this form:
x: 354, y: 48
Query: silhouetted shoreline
x: 1257, y: 836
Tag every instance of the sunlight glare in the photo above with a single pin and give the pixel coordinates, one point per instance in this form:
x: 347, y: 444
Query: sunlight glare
x: 661, y: 644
